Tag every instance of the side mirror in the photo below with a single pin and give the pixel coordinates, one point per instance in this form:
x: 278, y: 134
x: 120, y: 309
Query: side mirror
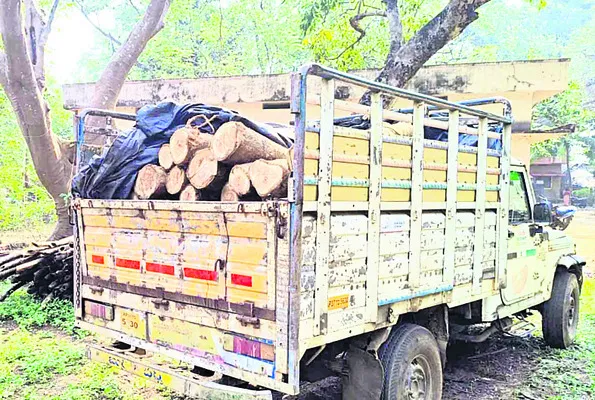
x: 542, y: 213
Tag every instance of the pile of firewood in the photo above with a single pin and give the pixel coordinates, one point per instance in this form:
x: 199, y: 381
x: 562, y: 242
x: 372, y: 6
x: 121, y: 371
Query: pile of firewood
x: 46, y: 268
x: 236, y: 163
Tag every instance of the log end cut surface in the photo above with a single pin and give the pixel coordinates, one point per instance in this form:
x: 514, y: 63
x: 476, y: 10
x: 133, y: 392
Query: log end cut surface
x: 189, y: 193
x: 202, y: 169
x: 165, y: 158
x: 150, y: 182
x: 176, y: 178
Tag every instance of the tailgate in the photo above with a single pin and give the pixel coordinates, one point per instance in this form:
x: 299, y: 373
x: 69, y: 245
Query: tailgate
x: 195, y: 281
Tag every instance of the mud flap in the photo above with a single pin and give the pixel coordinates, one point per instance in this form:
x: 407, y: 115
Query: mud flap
x: 365, y: 375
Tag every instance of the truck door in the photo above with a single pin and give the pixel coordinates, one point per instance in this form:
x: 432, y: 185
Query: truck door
x: 523, y: 267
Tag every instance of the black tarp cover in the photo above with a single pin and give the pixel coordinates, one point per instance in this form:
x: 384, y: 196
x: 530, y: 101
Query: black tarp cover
x: 112, y: 174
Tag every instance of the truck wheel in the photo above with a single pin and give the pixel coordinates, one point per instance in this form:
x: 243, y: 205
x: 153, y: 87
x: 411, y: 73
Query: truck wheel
x: 560, y: 312
x: 412, y: 366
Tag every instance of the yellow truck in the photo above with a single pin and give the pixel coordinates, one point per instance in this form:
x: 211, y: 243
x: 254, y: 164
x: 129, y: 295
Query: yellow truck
x: 388, y: 246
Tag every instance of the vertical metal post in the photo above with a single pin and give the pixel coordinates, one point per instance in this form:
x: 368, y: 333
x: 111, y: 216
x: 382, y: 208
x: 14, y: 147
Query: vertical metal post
x: 452, y: 175
x: 417, y: 181
x: 298, y: 108
x: 374, y: 196
x: 503, y: 207
x: 323, y: 223
x: 480, y: 199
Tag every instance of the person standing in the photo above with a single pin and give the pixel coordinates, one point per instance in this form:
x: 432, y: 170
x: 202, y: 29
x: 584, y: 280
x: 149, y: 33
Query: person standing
x: 566, y: 196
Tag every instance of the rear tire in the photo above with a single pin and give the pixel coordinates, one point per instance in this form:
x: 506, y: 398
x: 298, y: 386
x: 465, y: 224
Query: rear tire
x: 561, y: 312
x: 412, y: 365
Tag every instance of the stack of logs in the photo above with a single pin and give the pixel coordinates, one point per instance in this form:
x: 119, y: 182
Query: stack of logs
x: 45, y: 267
x: 236, y: 163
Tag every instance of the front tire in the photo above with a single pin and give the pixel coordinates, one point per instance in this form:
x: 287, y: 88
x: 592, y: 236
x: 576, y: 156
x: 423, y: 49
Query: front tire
x: 412, y: 365
x: 561, y: 312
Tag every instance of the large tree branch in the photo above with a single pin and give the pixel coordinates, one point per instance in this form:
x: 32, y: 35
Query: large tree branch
x: 395, y: 26
x: 112, y: 79
x: 354, y: 22
x: 45, y: 34
x: 402, y: 65
x: 443, y: 28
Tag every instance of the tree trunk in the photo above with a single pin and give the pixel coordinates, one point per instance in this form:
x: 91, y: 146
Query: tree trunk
x: 228, y: 194
x: 22, y: 75
x: 21, y: 86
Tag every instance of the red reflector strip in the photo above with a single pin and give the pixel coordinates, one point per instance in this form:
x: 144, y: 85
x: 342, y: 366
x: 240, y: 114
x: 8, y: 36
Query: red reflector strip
x: 200, y: 274
x: 97, y: 259
x: 160, y: 268
x: 132, y: 264
x: 242, y: 280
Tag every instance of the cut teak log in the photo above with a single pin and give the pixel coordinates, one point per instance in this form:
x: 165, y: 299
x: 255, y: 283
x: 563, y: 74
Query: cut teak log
x: 150, y: 182
x: 176, y: 179
x: 189, y: 193
x: 239, y: 179
x: 228, y: 194
x: 269, y: 177
x: 204, y: 170
x: 234, y: 143
x: 186, y: 141
x: 165, y: 158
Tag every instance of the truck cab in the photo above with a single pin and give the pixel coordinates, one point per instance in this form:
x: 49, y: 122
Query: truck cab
x: 537, y: 257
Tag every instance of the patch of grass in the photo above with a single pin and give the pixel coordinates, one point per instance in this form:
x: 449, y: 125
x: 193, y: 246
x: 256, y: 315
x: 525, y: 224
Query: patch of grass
x: 568, y: 374
x: 28, y: 312
x: 30, y: 359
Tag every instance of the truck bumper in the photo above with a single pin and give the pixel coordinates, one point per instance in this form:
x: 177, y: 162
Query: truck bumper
x: 175, y: 379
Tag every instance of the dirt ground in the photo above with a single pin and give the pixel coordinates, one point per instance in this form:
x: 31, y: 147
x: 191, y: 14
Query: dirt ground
x: 518, y: 368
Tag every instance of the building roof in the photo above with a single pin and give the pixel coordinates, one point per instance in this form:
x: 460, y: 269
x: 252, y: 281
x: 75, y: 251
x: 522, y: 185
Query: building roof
x: 542, y: 78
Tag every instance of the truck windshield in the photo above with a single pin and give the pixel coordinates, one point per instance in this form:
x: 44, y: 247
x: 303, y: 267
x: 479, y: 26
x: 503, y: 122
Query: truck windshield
x: 519, y: 203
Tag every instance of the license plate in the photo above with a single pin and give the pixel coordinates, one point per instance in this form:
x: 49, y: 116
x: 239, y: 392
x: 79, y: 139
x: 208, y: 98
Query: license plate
x: 133, y: 324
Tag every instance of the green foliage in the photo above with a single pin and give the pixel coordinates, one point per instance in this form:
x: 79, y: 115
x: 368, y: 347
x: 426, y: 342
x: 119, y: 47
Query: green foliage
x: 28, y: 312
x: 563, y: 109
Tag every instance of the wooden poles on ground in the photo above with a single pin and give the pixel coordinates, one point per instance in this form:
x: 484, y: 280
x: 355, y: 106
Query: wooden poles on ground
x: 46, y: 268
x: 234, y: 164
